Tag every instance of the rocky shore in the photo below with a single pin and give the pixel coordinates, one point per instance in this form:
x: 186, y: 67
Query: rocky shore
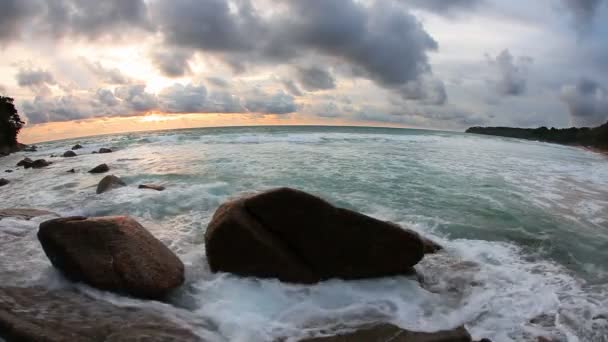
x: 282, y: 234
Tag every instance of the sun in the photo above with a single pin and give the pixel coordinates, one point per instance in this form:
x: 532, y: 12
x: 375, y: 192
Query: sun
x: 155, y: 118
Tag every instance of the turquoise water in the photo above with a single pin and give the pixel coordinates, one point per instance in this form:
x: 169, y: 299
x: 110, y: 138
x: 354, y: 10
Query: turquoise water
x: 525, y: 224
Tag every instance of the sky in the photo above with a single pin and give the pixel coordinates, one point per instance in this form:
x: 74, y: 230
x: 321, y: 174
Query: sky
x: 83, y: 67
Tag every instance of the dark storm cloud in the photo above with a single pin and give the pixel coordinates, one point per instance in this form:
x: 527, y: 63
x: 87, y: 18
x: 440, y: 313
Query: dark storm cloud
x: 429, y: 91
x: 206, y: 24
x: 277, y: 103
x: 315, y: 78
x: 188, y: 98
x: 382, y: 41
x: 106, y: 75
x: 292, y: 88
x: 587, y: 101
x: 172, y: 62
x: 512, y: 73
x: 444, y: 7
x: 37, y: 80
x: 83, y: 18
x: 583, y: 12
x: 12, y: 15
x: 34, y: 77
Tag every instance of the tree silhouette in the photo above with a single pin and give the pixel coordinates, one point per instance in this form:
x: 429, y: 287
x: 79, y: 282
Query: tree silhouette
x: 10, y: 122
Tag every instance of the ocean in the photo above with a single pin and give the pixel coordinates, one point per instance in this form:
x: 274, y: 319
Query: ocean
x: 524, y: 225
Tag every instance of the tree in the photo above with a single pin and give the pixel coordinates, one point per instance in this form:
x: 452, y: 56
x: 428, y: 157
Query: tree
x: 10, y: 122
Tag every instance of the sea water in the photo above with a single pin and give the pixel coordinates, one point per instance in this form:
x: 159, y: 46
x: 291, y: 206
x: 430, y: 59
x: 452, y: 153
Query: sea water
x: 524, y: 225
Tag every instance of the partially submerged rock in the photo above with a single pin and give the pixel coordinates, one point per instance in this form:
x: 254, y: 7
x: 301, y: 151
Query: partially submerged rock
x: 297, y: 237
x: 151, y: 187
x: 39, y: 163
x: 37, y: 314
x: 26, y: 163
x: 69, y: 154
x: 8, y: 171
x: 32, y: 148
x: 105, y: 150
x: 102, y: 168
x: 392, y: 333
x: 76, y: 147
x: 111, y: 253
x: 71, y: 171
x: 4, y: 181
x: 24, y: 214
x: 108, y: 183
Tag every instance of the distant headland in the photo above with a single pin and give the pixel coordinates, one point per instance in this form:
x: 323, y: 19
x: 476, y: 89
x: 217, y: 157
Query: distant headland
x: 593, y: 138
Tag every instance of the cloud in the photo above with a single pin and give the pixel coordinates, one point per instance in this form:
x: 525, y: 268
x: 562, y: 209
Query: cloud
x: 512, y: 73
x: 12, y: 14
x: 77, y: 18
x: 587, y: 101
x: 135, y: 100
x: 37, y: 80
x: 173, y: 62
x: 444, y: 7
x: 292, y: 88
x: 380, y: 41
x: 583, y: 12
x: 427, y: 90
x: 315, y: 78
x: 277, y: 103
x: 218, y: 82
x: 106, y: 75
x: 184, y: 98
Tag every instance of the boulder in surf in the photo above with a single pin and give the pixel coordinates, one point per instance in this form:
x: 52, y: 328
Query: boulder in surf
x: 111, y: 253
x: 297, y: 237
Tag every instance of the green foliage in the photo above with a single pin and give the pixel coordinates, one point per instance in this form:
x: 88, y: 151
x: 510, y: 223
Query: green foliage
x: 596, y: 137
x: 10, y: 122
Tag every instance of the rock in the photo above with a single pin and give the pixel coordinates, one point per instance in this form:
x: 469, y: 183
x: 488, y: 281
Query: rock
x: 24, y: 214
x: 40, y: 163
x: 100, y: 169
x: 26, y: 163
x: 72, y: 171
x: 4, y: 181
x: 32, y: 148
x: 105, y: 150
x: 111, y: 253
x: 108, y: 183
x: 8, y: 171
x: 296, y: 237
x: 389, y: 332
x: 37, y: 314
x: 69, y: 154
x: 151, y: 187
x: 430, y: 247
x: 76, y: 147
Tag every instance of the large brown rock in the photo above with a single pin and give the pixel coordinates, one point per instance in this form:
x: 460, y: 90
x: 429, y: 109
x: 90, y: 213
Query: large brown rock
x: 69, y: 154
x: 111, y: 253
x: 389, y: 332
x: 108, y: 183
x: 297, y: 237
x: 40, y: 315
